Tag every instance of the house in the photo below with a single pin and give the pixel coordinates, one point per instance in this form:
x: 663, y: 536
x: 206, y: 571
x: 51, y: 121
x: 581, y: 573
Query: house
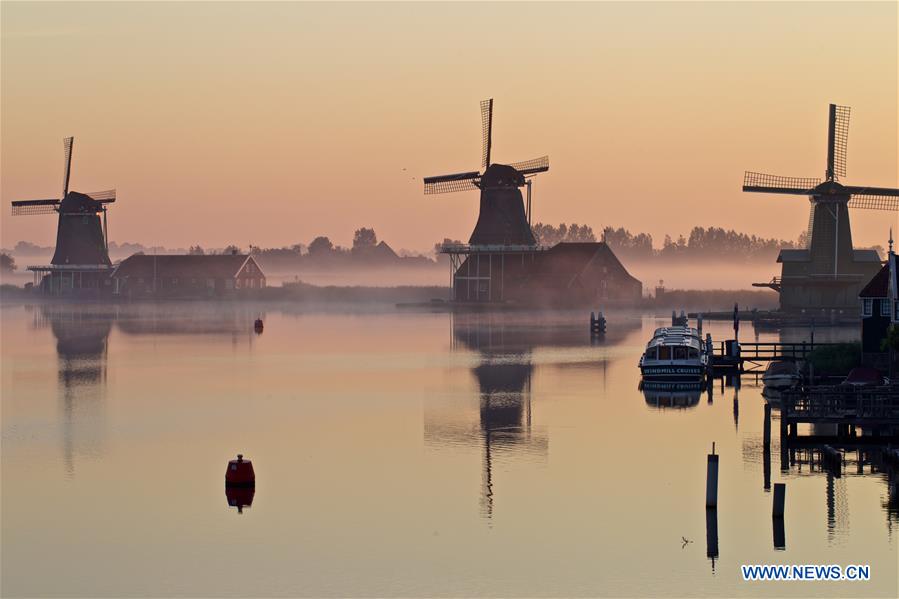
x: 810, y: 281
x: 879, y: 303
x: 565, y: 274
x: 186, y: 276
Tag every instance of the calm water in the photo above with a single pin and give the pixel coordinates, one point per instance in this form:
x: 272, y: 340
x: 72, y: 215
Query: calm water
x: 396, y: 454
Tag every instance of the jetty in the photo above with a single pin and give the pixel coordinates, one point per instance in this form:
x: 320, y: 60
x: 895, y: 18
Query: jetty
x: 874, y: 409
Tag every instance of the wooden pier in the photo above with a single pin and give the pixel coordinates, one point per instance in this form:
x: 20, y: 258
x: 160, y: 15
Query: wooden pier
x: 757, y: 354
x: 875, y: 409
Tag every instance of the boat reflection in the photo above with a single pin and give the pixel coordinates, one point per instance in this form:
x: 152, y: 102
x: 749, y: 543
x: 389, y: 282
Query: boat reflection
x: 671, y: 394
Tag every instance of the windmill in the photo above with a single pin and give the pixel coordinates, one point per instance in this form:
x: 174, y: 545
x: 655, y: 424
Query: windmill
x: 829, y: 254
x: 80, y: 238
x: 502, y: 219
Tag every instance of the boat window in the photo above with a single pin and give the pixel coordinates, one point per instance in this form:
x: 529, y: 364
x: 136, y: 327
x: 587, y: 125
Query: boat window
x: 652, y: 353
x: 680, y: 353
x: 664, y: 353
x: 694, y: 353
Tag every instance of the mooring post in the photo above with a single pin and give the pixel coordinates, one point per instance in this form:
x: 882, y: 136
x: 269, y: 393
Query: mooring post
x: 766, y: 449
x: 711, y: 534
x: 711, y: 479
x: 780, y: 537
x: 780, y: 496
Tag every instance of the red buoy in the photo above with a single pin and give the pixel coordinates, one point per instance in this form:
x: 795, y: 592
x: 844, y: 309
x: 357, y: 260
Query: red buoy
x: 239, y: 497
x: 240, y: 473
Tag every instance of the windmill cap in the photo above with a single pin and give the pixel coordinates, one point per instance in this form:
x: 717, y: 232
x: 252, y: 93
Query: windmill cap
x: 79, y: 202
x: 501, y: 175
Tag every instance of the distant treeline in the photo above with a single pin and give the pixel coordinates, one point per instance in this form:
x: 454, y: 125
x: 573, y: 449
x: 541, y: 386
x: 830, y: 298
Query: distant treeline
x: 702, y: 243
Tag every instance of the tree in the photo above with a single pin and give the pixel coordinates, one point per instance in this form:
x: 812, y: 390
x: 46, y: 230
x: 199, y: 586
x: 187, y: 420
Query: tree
x: 196, y: 250
x: 550, y: 235
x: 232, y: 249
x: 320, y: 246
x: 7, y: 263
x: 364, y: 239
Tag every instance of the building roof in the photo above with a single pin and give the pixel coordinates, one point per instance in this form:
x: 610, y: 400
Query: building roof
x: 565, y: 260
x: 214, y: 266
x: 879, y: 286
x: 865, y: 256
x: 805, y: 256
x: 794, y: 256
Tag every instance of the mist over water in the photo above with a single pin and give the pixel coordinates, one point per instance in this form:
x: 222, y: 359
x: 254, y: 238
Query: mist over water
x: 395, y: 454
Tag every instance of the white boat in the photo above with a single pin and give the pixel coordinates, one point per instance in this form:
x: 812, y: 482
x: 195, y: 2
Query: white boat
x: 675, y: 353
x: 781, y: 374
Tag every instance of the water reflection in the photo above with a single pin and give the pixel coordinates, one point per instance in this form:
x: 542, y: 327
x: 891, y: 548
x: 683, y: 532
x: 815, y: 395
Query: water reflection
x: 82, y: 332
x: 81, y: 347
x: 672, y: 395
x: 503, y: 375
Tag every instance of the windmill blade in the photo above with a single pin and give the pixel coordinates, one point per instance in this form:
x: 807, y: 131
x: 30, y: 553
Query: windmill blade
x: 28, y: 207
x: 871, y: 191
x: 67, y: 145
x: 873, y: 198
x: 533, y: 166
x: 451, y: 183
x: 837, y: 140
x: 764, y: 183
x: 104, y: 197
x: 874, y: 202
x: 486, y: 131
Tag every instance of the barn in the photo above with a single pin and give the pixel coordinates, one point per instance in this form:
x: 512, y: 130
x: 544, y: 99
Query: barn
x: 186, y: 276
x: 564, y: 274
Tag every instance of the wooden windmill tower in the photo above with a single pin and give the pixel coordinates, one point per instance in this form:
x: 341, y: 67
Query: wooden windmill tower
x: 503, y: 229
x: 829, y: 273
x: 503, y: 219
x: 81, y: 260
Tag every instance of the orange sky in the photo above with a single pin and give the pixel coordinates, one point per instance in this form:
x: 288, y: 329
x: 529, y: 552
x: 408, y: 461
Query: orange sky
x: 272, y: 123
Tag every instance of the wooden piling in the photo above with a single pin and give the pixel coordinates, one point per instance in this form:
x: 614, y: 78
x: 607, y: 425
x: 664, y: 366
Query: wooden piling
x: 711, y: 479
x: 711, y: 533
x: 780, y: 496
x: 780, y: 537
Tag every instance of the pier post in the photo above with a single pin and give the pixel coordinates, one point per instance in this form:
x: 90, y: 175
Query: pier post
x: 711, y: 534
x: 766, y: 449
x: 711, y: 479
x: 780, y: 496
x: 780, y: 537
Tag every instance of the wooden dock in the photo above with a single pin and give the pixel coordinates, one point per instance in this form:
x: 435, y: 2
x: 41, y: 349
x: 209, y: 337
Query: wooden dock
x: 875, y: 409
x: 755, y: 355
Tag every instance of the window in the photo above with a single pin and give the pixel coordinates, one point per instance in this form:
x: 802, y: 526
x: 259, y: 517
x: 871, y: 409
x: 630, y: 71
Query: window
x: 680, y: 353
x: 896, y: 311
x: 664, y: 353
x: 694, y: 353
x: 885, y: 307
x: 867, y: 307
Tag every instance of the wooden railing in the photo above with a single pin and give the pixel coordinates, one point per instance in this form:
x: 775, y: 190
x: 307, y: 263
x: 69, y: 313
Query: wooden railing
x: 842, y: 403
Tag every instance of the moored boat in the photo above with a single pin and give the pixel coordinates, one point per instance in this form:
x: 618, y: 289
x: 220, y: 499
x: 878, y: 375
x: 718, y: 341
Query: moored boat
x: 675, y: 353
x: 781, y: 374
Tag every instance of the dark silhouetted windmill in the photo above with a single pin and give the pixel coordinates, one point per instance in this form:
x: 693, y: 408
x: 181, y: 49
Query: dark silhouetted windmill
x: 82, y: 250
x: 80, y: 237
x: 502, y: 219
x: 826, y: 274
